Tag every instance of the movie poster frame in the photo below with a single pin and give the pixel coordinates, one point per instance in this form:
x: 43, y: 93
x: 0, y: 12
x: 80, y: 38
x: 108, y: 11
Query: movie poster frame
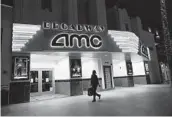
x: 27, y: 67
x: 80, y: 65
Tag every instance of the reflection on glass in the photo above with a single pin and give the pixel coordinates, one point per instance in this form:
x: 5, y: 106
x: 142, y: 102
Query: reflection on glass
x: 21, y: 68
x: 46, y: 81
x: 34, y: 81
x: 75, y: 68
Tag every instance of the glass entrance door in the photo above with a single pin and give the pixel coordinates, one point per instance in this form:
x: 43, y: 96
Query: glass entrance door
x: 41, y: 81
x: 34, y: 81
x: 47, y: 79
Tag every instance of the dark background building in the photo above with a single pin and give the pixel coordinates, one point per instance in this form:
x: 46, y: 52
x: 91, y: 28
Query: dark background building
x: 149, y: 12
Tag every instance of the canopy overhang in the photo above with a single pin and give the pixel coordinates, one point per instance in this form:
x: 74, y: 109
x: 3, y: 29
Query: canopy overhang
x: 22, y: 34
x: 127, y: 41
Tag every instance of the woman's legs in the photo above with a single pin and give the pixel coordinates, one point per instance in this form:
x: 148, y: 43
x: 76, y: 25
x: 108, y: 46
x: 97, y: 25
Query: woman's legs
x: 95, y: 93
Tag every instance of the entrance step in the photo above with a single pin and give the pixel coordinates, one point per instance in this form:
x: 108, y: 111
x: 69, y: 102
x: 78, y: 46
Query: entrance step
x: 46, y: 97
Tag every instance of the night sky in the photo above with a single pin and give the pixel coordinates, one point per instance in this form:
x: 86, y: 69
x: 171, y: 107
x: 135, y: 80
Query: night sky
x: 147, y: 10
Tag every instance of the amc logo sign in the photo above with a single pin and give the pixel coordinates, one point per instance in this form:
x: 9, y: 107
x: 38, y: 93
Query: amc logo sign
x: 65, y: 40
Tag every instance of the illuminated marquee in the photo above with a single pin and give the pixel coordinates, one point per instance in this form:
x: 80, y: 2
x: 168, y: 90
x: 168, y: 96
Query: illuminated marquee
x: 67, y: 40
x: 64, y: 40
x: 72, y: 27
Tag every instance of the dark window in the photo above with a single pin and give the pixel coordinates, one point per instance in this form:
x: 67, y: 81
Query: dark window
x: 126, y: 27
x: 7, y: 2
x: 47, y: 4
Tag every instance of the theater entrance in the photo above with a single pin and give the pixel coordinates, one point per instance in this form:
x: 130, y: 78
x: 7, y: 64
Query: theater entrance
x: 41, y: 82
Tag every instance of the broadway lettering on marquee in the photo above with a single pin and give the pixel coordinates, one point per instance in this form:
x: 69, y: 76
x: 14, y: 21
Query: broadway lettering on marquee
x: 67, y: 40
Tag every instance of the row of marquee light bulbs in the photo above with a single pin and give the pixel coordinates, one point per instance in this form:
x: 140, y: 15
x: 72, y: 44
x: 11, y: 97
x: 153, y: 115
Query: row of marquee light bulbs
x: 127, y: 41
x: 23, y: 33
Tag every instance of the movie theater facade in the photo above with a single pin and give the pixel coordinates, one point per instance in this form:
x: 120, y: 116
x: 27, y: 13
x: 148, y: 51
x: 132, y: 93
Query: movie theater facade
x: 60, y: 58
x: 52, y: 57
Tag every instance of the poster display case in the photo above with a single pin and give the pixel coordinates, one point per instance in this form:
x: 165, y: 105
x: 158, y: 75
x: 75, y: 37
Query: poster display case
x: 20, y: 68
x: 146, y: 68
x: 129, y: 68
x: 75, y: 68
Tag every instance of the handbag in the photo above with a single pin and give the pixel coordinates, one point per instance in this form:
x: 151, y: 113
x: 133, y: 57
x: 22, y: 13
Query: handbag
x: 90, y: 91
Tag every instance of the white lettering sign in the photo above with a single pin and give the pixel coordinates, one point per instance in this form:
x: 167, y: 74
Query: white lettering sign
x: 64, y: 40
x: 72, y: 27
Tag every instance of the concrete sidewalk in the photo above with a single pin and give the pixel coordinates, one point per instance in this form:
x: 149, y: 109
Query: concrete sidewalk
x: 148, y: 100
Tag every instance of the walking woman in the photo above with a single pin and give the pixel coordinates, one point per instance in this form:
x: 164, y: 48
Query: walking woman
x: 94, y: 84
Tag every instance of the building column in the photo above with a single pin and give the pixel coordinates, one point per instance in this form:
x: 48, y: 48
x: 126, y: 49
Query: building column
x: 107, y: 71
x: 76, y: 87
x: 129, y: 70
x: 101, y: 73
x: 6, y: 53
x: 72, y: 12
x: 101, y: 12
x: 147, y: 73
x: 130, y: 73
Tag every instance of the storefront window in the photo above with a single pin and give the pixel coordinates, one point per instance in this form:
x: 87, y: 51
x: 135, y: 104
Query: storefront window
x: 46, y: 81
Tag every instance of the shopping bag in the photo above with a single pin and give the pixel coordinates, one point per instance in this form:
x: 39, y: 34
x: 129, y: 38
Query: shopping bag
x: 90, y: 91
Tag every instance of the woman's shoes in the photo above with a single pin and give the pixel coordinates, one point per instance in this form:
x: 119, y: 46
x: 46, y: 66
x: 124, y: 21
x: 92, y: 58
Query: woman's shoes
x: 94, y: 101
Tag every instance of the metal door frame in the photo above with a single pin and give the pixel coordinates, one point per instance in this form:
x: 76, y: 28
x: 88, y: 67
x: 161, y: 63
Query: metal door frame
x: 106, y: 66
x: 40, y: 92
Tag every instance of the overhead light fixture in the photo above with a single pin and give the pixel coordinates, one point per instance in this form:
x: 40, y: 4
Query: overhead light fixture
x: 158, y: 37
x: 149, y: 29
x: 157, y: 33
